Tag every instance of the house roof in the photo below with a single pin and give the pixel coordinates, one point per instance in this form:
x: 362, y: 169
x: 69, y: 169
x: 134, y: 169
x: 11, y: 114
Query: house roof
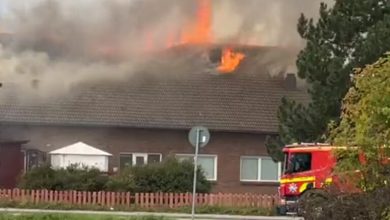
x: 176, y: 98
x: 80, y: 148
x: 13, y: 142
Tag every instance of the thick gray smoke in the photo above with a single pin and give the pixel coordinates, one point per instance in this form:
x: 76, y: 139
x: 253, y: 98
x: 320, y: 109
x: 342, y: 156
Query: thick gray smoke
x: 57, y: 44
x: 263, y: 22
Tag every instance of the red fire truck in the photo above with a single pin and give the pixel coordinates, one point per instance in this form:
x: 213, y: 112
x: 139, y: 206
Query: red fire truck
x: 307, y: 168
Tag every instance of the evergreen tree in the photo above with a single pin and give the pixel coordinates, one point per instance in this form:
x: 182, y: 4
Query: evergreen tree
x: 351, y: 34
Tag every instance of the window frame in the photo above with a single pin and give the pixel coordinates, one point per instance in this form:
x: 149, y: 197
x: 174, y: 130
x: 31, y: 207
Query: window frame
x: 259, y: 160
x: 134, y: 155
x: 300, y: 154
x: 214, y: 156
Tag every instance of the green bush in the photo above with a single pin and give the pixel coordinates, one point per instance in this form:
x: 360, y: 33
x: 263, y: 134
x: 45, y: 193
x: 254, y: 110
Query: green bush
x: 122, y: 182
x: 39, y: 178
x: 373, y: 205
x: 168, y: 176
x: 71, y: 178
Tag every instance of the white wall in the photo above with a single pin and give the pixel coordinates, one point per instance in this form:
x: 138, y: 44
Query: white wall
x: 63, y: 161
x: 56, y: 161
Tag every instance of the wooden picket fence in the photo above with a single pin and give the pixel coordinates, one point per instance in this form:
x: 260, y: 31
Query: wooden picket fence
x: 142, y: 200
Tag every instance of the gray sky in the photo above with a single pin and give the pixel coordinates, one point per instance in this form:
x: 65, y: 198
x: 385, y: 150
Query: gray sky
x: 2, y: 7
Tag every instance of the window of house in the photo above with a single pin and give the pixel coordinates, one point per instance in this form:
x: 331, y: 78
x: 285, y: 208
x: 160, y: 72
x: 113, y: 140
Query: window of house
x: 138, y: 159
x: 34, y: 158
x: 261, y: 169
x: 154, y: 158
x: 125, y: 160
x: 208, y: 163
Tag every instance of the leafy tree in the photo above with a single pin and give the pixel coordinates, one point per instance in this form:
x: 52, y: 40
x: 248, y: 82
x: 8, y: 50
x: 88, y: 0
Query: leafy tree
x: 365, y: 129
x: 365, y: 123
x: 351, y: 34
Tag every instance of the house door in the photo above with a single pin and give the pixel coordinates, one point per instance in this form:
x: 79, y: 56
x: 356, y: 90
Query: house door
x: 11, y: 165
x: 139, y: 159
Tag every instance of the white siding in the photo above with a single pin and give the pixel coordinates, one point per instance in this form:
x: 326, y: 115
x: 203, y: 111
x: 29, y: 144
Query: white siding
x: 96, y: 161
x: 56, y: 161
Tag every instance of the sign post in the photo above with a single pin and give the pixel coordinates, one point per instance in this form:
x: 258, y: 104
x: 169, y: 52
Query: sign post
x: 198, y: 137
x: 195, y: 173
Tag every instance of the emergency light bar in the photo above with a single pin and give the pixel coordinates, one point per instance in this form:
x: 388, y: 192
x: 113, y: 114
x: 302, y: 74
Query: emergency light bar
x: 307, y: 144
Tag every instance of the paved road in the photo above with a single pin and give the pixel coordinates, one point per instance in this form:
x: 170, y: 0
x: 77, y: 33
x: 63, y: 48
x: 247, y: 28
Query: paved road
x: 169, y: 215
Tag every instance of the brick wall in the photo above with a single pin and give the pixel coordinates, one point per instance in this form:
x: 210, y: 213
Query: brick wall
x: 228, y: 146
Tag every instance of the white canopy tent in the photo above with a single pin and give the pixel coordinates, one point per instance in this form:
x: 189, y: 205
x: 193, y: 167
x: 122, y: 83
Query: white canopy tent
x: 80, y: 154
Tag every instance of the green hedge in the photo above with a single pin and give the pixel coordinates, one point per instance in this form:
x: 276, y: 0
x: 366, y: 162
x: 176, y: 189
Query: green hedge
x: 71, y: 178
x: 169, y: 176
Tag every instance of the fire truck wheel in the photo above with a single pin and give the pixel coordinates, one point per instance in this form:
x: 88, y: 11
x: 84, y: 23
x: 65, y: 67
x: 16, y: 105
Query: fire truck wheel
x: 310, y: 204
x: 281, y: 211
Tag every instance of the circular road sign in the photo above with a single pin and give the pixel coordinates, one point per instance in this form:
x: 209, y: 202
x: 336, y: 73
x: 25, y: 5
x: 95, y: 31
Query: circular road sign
x: 204, y: 136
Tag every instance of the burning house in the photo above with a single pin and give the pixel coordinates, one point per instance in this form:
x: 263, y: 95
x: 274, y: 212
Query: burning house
x: 234, y: 89
x: 147, y: 118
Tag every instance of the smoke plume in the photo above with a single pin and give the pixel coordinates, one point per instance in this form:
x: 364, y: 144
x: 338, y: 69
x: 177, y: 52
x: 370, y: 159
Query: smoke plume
x: 58, y: 44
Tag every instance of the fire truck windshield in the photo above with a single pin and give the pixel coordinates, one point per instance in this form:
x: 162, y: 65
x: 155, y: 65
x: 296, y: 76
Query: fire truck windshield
x: 297, y: 162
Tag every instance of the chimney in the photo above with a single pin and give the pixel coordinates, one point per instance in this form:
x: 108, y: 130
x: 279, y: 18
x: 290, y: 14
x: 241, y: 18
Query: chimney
x: 290, y: 81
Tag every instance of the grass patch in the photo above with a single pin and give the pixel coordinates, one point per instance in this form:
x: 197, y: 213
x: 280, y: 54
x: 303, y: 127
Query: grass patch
x: 186, y: 209
x: 229, y: 210
x: 17, y: 216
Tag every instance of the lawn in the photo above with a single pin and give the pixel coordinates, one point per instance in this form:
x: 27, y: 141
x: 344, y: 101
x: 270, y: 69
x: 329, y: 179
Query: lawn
x: 186, y: 209
x: 17, y: 216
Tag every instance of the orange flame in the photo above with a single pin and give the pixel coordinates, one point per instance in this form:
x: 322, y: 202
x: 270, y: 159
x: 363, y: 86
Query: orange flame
x: 200, y: 31
x: 230, y: 60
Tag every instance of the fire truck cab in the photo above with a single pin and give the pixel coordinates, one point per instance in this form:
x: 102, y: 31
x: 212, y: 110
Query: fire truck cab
x: 307, y: 166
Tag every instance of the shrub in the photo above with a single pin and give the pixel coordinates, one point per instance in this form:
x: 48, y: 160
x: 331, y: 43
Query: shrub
x: 372, y: 205
x: 39, y: 178
x: 71, y: 178
x: 85, y: 179
x: 168, y: 176
x: 122, y: 182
